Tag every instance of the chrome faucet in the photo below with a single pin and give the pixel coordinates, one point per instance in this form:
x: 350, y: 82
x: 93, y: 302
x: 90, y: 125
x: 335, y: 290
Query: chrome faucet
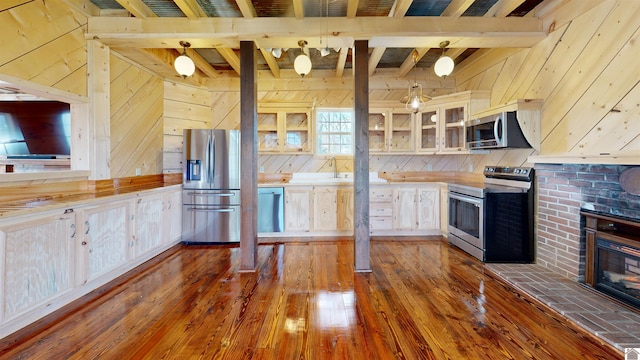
x: 334, y: 163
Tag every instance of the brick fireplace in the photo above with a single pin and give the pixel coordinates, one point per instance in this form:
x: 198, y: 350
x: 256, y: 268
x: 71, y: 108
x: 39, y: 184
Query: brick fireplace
x: 562, y: 191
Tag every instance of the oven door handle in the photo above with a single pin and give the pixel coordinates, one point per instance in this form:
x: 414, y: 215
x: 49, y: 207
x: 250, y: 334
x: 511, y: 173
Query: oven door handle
x: 475, y: 201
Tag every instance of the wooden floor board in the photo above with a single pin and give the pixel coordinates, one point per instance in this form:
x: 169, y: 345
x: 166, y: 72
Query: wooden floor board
x: 422, y: 300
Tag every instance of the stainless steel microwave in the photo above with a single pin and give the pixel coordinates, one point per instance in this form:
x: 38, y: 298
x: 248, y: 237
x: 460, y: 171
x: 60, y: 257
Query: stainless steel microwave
x: 496, y: 131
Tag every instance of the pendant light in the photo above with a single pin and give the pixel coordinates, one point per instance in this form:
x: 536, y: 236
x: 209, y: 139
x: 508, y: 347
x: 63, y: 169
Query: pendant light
x: 444, y: 65
x: 415, y: 100
x: 183, y: 63
x: 302, y: 63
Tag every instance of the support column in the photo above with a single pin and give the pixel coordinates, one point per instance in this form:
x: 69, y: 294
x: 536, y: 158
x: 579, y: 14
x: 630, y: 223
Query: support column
x: 361, y: 157
x: 249, y: 156
x: 98, y: 148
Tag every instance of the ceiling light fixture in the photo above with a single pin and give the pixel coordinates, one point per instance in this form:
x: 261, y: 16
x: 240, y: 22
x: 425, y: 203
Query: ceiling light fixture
x: 276, y: 52
x: 183, y: 63
x: 415, y: 99
x: 444, y: 65
x: 324, y: 51
x: 302, y: 63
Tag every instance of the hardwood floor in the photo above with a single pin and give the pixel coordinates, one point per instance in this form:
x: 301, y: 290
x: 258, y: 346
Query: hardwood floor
x: 423, y: 300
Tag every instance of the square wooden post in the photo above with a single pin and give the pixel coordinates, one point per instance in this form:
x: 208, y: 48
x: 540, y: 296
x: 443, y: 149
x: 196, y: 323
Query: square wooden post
x: 249, y: 155
x: 361, y: 159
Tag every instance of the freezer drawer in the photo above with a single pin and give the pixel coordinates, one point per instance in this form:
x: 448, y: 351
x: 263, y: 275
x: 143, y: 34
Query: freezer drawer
x: 210, y: 197
x: 213, y: 224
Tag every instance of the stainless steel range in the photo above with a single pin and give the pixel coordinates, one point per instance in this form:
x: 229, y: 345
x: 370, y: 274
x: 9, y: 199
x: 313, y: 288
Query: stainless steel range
x: 493, y: 221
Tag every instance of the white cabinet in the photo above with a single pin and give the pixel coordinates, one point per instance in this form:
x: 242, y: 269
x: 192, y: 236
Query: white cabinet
x: 105, y: 239
x: 429, y: 208
x: 318, y: 210
x: 405, y: 209
x: 37, y: 261
x: 284, y: 131
x: 345, y: 212
x: 441, y: 126
x: 380, y: 208
x: 333, y: 208
x: 391, y: 131
x: 297, y: 208
x: 52, y: 257
x: 325, y: 208
x: 173, y: 215
x: 148, y: 223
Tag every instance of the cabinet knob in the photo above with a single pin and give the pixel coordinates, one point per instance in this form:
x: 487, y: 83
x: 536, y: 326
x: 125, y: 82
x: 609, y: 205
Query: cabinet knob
x: 84, y: 243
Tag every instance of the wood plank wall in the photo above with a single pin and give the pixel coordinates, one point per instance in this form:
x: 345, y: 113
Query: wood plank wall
x: 137, y: 98
x: 587, y: 73
x: 187, y: 106
x: 49, y: 52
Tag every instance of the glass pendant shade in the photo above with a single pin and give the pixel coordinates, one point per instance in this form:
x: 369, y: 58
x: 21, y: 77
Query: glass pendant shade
x: 183, y: 64
x: 415, y: 103
x: 302, y: 65
x: 444, y: 66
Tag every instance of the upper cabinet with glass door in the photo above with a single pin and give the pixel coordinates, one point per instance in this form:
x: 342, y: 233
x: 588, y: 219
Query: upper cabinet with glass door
x: 391, y: 131
x: 442, y: 123
x: 281, y: 131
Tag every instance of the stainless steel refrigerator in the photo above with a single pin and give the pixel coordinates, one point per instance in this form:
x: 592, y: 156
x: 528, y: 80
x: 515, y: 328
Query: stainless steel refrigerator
x: 211, y: 186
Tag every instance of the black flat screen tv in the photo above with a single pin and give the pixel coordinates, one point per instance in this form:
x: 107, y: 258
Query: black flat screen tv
x: 37, y: 129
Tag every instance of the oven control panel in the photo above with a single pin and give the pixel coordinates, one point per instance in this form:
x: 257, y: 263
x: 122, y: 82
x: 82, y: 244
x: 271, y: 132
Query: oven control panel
x: 507, y: 172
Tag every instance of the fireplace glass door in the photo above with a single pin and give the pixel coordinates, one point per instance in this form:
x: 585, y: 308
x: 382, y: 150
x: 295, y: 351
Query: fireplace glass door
x: 618, y: 270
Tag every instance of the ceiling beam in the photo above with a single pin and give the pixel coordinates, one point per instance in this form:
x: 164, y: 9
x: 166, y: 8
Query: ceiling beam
x: 231, y: 57
x: 352, y: 8
x: 503, y: 8
x: 412, y: 32
x: 137, y: 8
x: 342, y: 60
x: 272, y: 62
x: 399, y: 8
x: 408, y: 62
x: 298, y: 9
x: 247, y: 9
x: 457, y: 7
x: 190, y: 8
x: 374, y: 59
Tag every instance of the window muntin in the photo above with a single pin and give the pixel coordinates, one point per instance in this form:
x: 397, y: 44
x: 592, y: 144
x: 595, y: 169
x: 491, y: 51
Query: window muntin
x: 334, y: 129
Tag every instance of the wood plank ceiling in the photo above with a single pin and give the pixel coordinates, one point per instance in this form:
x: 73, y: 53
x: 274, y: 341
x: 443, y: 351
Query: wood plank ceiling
x: 149, y: 31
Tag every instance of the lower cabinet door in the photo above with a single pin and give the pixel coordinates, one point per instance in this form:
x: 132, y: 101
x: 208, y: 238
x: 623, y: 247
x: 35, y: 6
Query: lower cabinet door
x: 106, y: 240
x: 38, y: 261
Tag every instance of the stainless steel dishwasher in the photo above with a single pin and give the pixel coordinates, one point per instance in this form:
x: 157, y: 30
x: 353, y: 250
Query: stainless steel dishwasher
x: 270, y: 209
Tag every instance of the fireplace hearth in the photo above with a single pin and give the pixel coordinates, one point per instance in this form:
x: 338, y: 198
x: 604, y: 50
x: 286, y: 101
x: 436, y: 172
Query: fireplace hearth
x: 613, y: 256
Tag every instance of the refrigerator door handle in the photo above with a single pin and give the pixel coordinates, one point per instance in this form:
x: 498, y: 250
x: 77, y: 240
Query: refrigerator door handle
x: 211, y: 210
x: 209, y: 152
x: 213, y: 157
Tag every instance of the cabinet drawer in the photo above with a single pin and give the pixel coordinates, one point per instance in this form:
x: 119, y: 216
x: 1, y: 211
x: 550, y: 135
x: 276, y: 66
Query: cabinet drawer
x: 380, y: 223
x: 381, y: 195
x: 380, y: 209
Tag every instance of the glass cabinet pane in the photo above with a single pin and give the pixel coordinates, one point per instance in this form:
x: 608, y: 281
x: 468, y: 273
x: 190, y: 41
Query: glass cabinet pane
x: 297, y: 131
x: 454, y: 115
x: 401, y: 135
x: 428, y: 130
x: 454, y: 128
x: 376, y: 131
x: 454, y: 137
x: 267, y: 131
